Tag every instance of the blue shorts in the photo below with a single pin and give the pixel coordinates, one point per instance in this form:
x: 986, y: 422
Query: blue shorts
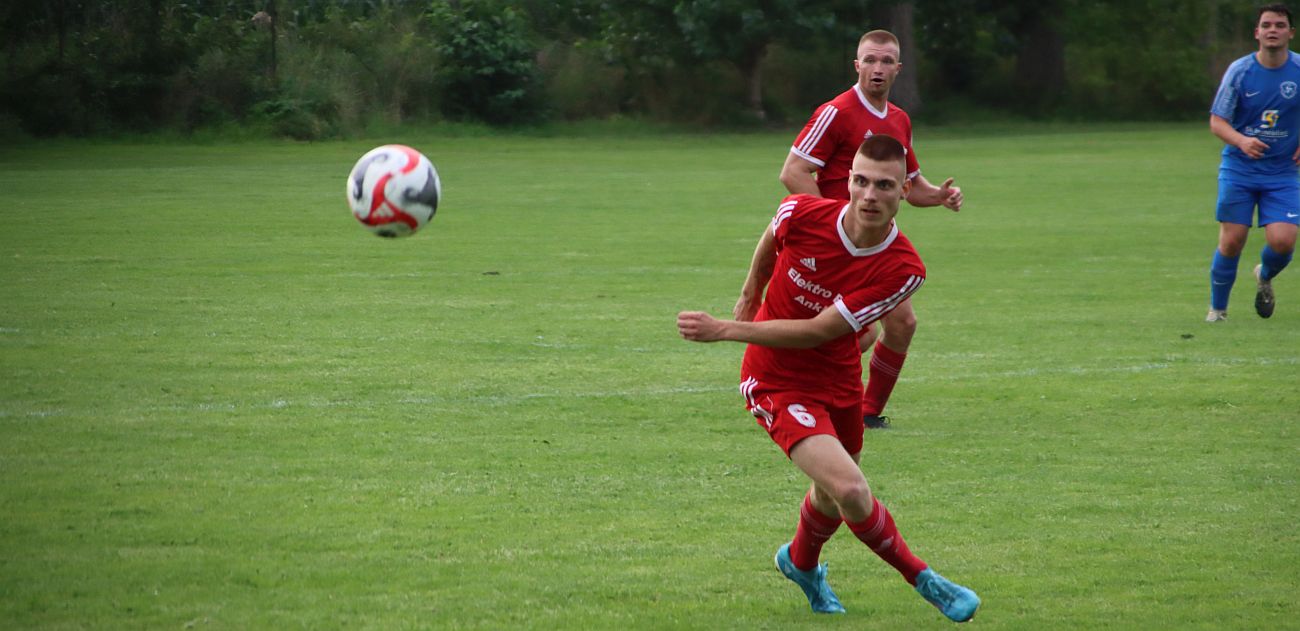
x: 1277, y: 202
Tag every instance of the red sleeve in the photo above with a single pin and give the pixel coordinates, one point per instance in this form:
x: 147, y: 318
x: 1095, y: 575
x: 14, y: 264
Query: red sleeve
x: 818, y: 141
x: 871, y: 303
x: 780, y: 222
x: 913, y: 165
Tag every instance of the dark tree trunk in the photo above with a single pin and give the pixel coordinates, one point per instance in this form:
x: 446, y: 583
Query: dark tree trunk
x: 61, y: 21
x: 752, y: 68
x: 275, y: 24
x: 153, y: 35
x: 897, y: 18
x: 1040, y: 62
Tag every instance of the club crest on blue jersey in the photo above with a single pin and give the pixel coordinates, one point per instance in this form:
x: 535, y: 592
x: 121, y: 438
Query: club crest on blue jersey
x: 1288, y: 89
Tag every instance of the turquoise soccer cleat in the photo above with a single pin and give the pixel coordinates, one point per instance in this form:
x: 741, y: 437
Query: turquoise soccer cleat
x: 812, y: 582
x: 955, y: 601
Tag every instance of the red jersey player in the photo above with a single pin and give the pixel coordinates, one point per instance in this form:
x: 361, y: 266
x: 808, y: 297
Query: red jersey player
x: 818, y: 164
x: 831, y: 268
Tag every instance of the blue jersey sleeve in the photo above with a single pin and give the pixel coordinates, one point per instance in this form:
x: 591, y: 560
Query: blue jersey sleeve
x: 1225, y: 100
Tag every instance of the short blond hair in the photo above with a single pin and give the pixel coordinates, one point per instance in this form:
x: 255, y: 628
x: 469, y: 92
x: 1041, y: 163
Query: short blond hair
x: 879, y: 36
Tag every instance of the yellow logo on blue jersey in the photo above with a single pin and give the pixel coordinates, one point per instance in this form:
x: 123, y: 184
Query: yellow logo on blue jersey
x: 1270, y: 119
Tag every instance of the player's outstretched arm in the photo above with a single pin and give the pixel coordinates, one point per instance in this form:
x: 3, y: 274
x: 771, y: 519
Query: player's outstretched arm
x: 698, y: 326
x: 760, y: 271
x: 925, y: 194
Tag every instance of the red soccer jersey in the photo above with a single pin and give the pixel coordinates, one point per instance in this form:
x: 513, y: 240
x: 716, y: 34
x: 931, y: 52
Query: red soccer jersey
x: 818, y: 267
x: 838, y: 127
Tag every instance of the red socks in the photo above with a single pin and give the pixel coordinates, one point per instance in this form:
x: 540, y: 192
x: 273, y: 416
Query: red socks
x: 880, y: 534
x: 813, y: 531
x: 882, y: 374
x: 877, y: 531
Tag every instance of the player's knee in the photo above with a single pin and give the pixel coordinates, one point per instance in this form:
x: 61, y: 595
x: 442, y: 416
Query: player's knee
x: 1231, y: 245
x: 1231, y: 249
x: 822, y: 497
x: 908, y: 324
x: 851, y: 491
x: 899, y: 332
x: 1282, y: 245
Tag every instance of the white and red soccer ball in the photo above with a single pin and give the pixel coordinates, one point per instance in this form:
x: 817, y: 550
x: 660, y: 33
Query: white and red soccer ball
x: 394, y: 190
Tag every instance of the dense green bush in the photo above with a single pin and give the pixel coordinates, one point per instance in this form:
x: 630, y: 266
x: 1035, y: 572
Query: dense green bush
x: 487, y: 61
x: 363, y: 68
x: 580, y: 83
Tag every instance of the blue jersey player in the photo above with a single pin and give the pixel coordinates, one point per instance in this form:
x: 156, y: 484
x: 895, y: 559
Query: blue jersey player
x: 1257, y: 114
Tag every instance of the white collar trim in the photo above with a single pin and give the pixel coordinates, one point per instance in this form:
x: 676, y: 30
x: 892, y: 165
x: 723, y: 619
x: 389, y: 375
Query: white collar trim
x: 857, y: 251
x: 867, y: 104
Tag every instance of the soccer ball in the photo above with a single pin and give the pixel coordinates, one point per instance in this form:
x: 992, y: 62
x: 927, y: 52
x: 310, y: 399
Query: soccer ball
x: 394, y: 190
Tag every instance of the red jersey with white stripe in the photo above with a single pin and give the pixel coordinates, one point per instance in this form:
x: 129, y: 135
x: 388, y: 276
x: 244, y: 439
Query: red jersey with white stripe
x: 833, y: 134
x: 818, y: 267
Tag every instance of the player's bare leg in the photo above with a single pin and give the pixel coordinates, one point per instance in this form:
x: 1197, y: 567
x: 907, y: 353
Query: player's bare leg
x: 868, y: 337
x: 900, y: 326
x: 1232, y: 238
x: 822, y: 500
x: 819, y: 517
x: 1281, y: 237
x: 887, y: 356
x: 836, y: 475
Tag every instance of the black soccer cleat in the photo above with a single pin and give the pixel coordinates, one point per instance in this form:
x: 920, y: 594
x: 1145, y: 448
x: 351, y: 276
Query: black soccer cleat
x: 875, y: 422
x: 1263, y: 295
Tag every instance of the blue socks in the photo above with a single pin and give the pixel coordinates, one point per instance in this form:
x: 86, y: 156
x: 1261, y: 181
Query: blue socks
x: 1223, y: 272
x: 1272, y: 262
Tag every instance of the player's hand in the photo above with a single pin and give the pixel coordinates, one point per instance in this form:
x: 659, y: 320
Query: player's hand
x: 745, y: 310
x: 950, y: 195
x: 1296, y: 157
x: 1254, y: 148
x: 698, y: 326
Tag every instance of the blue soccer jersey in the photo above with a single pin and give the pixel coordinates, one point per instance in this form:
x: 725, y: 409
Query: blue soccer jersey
x: 1262, y: 103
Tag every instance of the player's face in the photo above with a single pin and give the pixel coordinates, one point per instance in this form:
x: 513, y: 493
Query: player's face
x: 1273, y: 31
x: 875, y: 191
x: 877, y: 66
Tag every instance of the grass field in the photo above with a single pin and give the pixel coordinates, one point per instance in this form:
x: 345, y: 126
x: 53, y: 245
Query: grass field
x: 224, y: 405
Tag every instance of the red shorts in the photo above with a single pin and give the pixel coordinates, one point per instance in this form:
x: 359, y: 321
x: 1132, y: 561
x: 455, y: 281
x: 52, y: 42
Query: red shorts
x: 790, y: 416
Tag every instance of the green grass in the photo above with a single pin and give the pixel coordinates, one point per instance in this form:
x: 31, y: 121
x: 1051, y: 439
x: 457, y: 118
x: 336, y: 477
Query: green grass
x: 223, y: 405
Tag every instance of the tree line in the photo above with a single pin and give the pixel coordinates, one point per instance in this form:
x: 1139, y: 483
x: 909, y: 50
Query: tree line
x: 321, y: 68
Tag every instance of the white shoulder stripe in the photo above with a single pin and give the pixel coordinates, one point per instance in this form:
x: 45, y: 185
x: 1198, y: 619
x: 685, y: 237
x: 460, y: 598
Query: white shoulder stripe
x: 815, y: 134
x: 819, y: 129
x: 808, y: 157
x: 876, y: 310
x: 783, y: 212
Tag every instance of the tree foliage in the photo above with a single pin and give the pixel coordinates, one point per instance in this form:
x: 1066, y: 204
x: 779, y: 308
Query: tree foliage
x: 311, y: 68
x: 489, y: 69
